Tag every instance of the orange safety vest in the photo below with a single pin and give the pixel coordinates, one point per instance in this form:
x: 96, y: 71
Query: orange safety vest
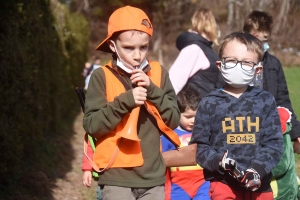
x: 112, y: 151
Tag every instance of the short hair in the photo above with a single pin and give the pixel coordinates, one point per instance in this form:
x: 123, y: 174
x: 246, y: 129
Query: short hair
x: 188, y: 98
x: 252, y: 43
x: 203, y: 21
x: 258, y: 21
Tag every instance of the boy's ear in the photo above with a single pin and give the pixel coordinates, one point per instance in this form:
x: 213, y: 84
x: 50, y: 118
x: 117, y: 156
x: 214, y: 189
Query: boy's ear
x: 218, y: 63
x: 254, y: 33
x: 111, y: 45
x: 259, y: 68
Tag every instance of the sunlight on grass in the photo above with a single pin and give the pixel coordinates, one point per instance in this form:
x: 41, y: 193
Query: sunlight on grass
x: 292, y: 76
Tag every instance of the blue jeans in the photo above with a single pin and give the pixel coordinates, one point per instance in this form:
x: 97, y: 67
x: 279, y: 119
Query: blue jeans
x: 99, y: 195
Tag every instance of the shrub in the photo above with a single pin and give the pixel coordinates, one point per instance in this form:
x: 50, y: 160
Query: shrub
x: 43, y: 48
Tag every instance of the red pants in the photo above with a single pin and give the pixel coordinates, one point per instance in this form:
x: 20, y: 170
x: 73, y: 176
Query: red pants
x: 221, y: 191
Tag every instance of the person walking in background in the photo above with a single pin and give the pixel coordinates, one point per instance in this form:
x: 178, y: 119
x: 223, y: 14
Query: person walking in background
x: 272, y: 79
x: 97, y: 63
x: 87, y: 80
x: 130, y: 91
x: 196, y: 62
x: 237, y: 128
x: 90, y: 70
x: 86, y: 70
x: 185, y: 182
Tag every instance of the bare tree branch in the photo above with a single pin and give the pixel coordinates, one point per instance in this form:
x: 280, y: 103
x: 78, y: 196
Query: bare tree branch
x: 86, y: 5
x: 281, y: 18
x: 240, y: 3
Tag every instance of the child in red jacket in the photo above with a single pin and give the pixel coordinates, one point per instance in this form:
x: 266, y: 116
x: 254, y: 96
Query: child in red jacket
x: 87, y: 169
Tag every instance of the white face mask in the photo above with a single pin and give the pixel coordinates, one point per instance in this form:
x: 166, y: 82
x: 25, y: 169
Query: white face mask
x: 236, y: 76
x: 128, y: 68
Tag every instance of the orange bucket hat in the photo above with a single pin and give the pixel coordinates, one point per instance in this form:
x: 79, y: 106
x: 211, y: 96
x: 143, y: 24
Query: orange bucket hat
x: 126, y: 18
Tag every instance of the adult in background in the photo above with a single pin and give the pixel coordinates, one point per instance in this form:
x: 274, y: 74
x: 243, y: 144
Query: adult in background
x: 86, y: 69
x: 273, y: 80
x: 196, y: 62
x: 95, y: 65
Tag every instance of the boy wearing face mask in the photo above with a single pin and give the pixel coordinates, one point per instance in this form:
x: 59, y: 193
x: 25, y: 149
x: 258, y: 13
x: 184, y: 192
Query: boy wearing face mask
x: 237, y: 128
x: 273, y: 80
x: 130, y: 102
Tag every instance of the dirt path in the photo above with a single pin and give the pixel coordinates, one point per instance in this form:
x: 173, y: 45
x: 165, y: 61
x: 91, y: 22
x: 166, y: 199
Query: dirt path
x: 71, y: 187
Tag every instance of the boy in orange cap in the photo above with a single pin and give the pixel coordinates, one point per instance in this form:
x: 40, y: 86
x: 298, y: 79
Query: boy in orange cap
x: 127, y: 154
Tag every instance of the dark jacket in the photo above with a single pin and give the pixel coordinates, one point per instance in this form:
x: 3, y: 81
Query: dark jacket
x: 203, y: 80
x: 275, y: 83
x: 248, y: 127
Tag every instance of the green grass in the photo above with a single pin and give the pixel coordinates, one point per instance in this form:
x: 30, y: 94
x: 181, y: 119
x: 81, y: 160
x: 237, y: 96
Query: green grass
x: 292, y: 76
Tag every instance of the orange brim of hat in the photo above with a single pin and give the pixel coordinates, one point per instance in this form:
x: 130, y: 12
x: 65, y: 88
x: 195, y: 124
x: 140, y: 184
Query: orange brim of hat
x: 103, y: 46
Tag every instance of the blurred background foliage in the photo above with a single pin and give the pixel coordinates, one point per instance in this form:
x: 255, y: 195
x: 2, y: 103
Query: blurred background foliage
x: 43, y: 47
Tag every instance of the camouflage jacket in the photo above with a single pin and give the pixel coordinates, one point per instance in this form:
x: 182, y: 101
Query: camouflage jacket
x: 248, y: 127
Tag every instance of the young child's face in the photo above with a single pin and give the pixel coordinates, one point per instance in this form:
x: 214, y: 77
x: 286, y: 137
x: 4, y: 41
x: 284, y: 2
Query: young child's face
x: 187, y: 119
x: 132, y: 46
x: 262, y: 36
x: 239, y: 51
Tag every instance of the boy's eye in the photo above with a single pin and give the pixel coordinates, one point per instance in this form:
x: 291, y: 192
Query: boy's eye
x: 189, y: 117
x: 128, y: 48
x: 248, y: 63
x: 231, y: 60
x: 144, y: 48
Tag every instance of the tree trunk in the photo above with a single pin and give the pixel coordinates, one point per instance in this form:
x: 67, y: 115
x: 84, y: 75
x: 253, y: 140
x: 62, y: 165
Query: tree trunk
x: 157, y: 47
x: 230, y: 14
x: 86, y: 5
x: 281, y: 18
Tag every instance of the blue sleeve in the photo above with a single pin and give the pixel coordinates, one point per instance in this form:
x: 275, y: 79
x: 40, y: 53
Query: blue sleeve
x: 166, y: 144
x: 207, y: 157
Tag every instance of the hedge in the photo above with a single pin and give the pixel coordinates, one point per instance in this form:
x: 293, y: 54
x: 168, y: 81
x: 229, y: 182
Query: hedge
x: 43, y: 47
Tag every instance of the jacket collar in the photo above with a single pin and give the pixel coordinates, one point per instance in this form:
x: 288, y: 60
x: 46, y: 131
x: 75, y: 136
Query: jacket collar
x: 186, y: 38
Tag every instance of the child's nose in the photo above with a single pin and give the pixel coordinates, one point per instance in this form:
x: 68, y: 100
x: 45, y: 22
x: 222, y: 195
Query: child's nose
x: 137, y: 55
x: 193, y: 120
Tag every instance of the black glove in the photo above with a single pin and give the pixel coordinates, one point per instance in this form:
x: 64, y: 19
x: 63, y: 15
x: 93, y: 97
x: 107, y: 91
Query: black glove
x: 251, y: 180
